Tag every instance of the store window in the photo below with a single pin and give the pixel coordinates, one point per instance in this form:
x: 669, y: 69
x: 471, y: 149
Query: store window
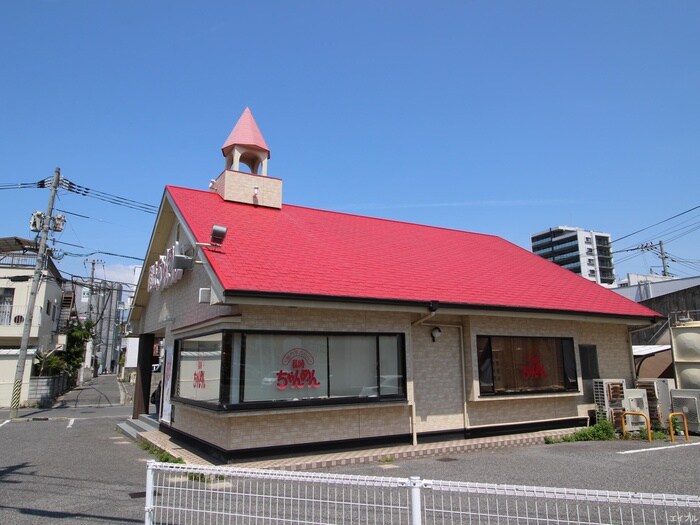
x: 199, y: 368
x: 272, y: 368
x: 526, y: 365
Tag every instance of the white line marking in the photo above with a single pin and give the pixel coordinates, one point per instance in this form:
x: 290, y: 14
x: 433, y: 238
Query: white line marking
x: 70, y: 423
x: 658, y: 448
x: 5, y: 422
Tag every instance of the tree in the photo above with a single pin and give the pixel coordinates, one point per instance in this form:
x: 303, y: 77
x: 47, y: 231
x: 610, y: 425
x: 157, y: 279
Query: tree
x: 78, y: 334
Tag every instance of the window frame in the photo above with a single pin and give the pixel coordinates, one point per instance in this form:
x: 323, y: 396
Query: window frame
x: 485, y: 365
x: 227, y: 338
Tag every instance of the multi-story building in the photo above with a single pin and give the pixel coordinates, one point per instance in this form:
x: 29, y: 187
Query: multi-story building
x: 100, y: 302
x: 17, y: 263
x: 585, y: 252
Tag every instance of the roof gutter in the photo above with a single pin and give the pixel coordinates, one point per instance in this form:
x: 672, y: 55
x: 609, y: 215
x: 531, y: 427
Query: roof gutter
x: 432, y: 308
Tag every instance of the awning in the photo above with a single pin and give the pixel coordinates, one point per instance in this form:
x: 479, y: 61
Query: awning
x: 645, y: 350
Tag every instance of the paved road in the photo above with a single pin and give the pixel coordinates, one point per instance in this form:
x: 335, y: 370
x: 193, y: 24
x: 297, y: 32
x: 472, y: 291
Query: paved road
x: 69, y: 465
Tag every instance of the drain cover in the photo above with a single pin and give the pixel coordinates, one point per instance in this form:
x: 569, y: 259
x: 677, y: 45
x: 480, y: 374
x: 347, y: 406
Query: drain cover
x: 136, y: 495
x: 447, y: 460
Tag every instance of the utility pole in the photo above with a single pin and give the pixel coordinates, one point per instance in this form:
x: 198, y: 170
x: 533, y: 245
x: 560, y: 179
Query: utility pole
x: 36, y: 280
x: 94, y: 340
x: 92, y: 285
x: 663, y: 258
x: 99, y: 346
x: 661, y: 253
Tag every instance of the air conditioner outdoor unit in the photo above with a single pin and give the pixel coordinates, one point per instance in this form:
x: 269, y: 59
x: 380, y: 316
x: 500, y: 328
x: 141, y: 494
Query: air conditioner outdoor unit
x: 608, y: 395
x: 687, y: 401
x: 635, y: 401
x: 659, y: 398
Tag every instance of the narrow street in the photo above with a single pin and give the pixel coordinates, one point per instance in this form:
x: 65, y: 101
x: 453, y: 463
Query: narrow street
x: 68, y: 464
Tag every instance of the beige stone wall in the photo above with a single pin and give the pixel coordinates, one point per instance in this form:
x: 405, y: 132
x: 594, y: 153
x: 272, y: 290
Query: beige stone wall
x: 291, y: 427
x: 248, y: 188
x: 322, y: 320
x: 437, y: 379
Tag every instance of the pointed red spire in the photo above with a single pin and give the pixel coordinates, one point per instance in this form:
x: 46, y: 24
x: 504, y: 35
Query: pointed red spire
x: 245, y: 133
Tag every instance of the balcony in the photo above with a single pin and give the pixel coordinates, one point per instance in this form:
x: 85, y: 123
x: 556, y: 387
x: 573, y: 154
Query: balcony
x: 12, y: 320
x: 17, y: 260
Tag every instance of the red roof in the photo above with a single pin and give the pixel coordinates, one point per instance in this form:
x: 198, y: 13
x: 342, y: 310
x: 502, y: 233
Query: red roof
x: 245, y: 133
x: 309, y: 252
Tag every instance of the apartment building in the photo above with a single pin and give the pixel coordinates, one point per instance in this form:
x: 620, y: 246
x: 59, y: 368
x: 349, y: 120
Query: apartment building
x: 17, y: 263
x: 585, y: 252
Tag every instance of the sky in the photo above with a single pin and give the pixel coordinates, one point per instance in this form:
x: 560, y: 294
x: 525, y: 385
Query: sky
x: 498, y: 117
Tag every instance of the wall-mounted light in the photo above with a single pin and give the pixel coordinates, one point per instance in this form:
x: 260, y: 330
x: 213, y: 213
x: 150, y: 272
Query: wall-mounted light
x: 218, y: 234
x: 435, y: 333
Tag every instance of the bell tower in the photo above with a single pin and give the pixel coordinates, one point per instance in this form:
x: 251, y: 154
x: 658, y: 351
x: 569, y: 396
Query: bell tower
x: 245, y: 177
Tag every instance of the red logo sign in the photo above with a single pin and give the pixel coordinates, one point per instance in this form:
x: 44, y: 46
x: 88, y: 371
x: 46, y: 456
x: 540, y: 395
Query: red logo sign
x: 533, y: 370
x: 199, y: 381
x: 299, y: 376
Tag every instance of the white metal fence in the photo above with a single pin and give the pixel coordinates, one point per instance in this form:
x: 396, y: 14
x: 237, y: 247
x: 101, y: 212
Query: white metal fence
x: 188, y: 494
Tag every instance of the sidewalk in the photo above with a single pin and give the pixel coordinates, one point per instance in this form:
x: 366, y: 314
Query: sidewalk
x: 349, y: 457
x: 353, y: 457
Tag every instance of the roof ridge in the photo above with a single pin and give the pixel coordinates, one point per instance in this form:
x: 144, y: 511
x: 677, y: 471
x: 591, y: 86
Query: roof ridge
x: 370, y: 217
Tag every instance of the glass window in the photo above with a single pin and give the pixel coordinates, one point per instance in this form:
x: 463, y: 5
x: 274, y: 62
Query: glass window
x: 353, y: 360
x: 589, y: 361
x: 199, y: 368
x: 235, y: 368
x: 6, y: 297
x: 510, y: 365
x: 391, y: 367
x: 293, y: 367
x: 284, y: 367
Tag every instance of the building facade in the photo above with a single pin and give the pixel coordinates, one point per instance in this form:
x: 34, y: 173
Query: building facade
x: 101, y: 302
x: 284, y: 326
x: 17, y: 263
x: 585, y: 252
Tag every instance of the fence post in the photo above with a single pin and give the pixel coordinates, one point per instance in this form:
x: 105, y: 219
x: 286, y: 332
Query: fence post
x: 149, y: 493
x: 415, y: 485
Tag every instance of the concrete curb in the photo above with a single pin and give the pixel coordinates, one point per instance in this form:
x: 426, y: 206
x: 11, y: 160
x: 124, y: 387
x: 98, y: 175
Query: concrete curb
x: 385, y: 454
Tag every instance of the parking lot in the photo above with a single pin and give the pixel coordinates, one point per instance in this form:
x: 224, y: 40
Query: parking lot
x: 629, y: 466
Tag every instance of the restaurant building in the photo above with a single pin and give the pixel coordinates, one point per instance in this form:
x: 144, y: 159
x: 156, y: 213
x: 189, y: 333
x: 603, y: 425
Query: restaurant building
x: 285, y: 326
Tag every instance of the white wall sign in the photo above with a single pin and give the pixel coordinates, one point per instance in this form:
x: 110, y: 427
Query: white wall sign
x: 162, y: 273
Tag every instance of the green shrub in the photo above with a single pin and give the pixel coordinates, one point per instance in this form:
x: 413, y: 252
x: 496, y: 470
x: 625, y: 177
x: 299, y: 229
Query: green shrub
x: 161, y: 455
x: 602, y: 431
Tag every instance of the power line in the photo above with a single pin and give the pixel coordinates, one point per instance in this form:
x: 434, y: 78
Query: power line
x: 108, y: 197
x: 86, y: 192
x: 23, y: 185
x: 95, y: 252
x: 656, y: 224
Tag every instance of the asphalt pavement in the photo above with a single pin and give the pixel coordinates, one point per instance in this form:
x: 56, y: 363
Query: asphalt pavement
x: 68, y: 464
x: 620, y: 465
